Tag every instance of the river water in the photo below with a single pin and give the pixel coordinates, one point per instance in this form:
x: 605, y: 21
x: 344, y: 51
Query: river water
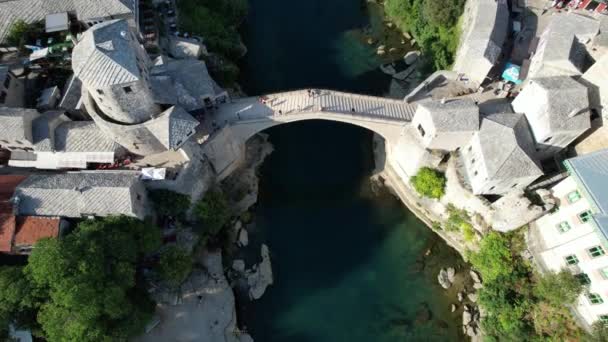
x: 350, y: 264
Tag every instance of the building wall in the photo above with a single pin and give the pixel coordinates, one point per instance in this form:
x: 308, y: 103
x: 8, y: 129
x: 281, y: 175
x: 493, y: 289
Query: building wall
x: 13, y: 94
x: 552, y: 247
x: 434, y: 140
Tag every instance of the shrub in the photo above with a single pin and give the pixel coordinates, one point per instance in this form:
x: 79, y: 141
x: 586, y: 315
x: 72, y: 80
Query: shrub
x: 494, y: 259
x: 457, y: 219
x: 213, y: 212
x: 429, y: 183
x: 467, y: 232
x: 169, y: 203
x: 558, y: 288
x: 175, y: 265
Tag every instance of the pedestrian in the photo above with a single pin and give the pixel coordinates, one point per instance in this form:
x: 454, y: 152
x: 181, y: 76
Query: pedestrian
x: 352, y: 109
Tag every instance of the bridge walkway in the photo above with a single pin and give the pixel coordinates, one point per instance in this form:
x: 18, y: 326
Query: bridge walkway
x: 275, y: 106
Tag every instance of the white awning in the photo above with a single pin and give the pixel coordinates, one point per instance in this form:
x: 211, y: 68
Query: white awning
x: 153, y: 173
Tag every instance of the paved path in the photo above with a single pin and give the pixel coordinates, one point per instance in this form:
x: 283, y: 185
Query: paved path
x: 318, y: 101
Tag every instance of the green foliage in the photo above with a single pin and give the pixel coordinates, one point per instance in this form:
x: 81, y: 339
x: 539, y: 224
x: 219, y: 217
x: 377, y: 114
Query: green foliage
x: 599, y: 333
x: 18, y: 33
x: 213, y: 212
x: 519, y: 305
x: 434, y: 25
x: 558, y: 288
x: 17, y: 304
x: 175, y: 265
x: 467, y: 232
x: 216, y: 21
x: 86, y: 282
x: 429, y: 182
x: 169, y: 203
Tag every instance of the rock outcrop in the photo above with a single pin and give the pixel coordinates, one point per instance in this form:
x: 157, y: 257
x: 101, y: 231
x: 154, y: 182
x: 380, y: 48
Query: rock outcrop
x: 261, y: 276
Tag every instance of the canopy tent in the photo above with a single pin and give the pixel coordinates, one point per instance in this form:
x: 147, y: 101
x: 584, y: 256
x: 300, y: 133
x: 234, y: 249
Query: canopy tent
x: 511, y: 73
x: 153, y: 173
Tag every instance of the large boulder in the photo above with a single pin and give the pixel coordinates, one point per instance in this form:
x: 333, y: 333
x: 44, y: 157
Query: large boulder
x: 444, y: 279
x: 243, y: 238
x: 466, y: 317
x: 451, y: 274
x: 472, y: 297
x: 475, y: 276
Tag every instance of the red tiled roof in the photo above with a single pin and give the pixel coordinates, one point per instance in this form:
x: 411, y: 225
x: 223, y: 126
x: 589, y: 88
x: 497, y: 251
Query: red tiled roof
x: 7, y: 231
x: 31, y: 229
x: 8, y: 183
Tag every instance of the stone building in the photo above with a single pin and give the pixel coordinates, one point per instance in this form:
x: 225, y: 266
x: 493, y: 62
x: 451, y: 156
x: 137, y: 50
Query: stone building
x: 500, y: 156
x: 447, y: 125
x: 485, y: 24
x: 573, y: 236
x: 557, y: 109
x: 117, y: 91
x: 53, y: 141
x: 81, y: 194
x: 561, y: 50
x: 12, y: 88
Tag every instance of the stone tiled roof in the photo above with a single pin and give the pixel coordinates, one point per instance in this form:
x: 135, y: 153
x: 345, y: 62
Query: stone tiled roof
x: 173, y: 127
x: 452, y: 116
x: 561, y: 50
x: 14, y: 122
x: 82, y: 136
x: 43, y: 127
x: 32, y: 11
x: 104, y: 56
x: 72, y: 93
x: 76, y: 194
x: 560, y: 103
x: 507, y: 146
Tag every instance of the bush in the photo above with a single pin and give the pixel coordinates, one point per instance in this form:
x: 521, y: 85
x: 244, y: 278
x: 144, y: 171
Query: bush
x: 169, y: 203
x: 429, y: 182
x: 468, y: 233
x: 558, y: 288
x: 213, y: 212
x: 175, y: 265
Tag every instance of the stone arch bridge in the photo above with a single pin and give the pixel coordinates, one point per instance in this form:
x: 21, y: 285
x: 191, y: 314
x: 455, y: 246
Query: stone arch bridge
x: 234, y: 123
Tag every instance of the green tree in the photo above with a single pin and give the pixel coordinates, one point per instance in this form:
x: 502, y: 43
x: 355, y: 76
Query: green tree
x: 443, y: 13
x: 558, y: 289
x: 175, y: 265
x: 17, y: 301
x: 87, y: 280
x: 429, y: 182
x: 170, y: 203
x: 18, y: 32
x: 213, y: 212
x: 599, y: 333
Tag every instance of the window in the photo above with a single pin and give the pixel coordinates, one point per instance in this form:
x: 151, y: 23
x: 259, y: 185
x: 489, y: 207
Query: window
x: 571, y: 259
x: 2, y: 96
x: 475, y: 173
x: 603, y: 318
x: 7, y: 82
x: 421, y: 130
x: 563, y: 226
x: 585, y: 216
x: 19, y: 142
x: 138, y: 197
x: 594, y: 298
x: 99, y: 91
x: 514, y: 185
x: 596, y: 251
x: 492, y: 188
x: 548, y: 139
x: 583, y: 278
x: 604, y: 272
x: 127, y: 90
x: 473, y: 161
x: 470, y: 148
x: 574, y: 196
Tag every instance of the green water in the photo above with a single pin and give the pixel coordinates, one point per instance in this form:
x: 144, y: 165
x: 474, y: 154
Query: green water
x: 349, y: 263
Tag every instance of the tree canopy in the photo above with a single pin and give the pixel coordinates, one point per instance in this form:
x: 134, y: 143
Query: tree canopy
x: 86, y: 284
x: 170, y: 203
x: 18, y: 32
x: 175, y: 265
x: 429, y: 182
x: 213, y: 213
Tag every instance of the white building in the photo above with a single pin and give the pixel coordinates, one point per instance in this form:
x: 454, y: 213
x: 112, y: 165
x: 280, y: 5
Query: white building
x: 561, y: 49
x: 557, y: 109
x: 485, y: 25
x: 573, y: 236
x: 500, y: 156
x: 446, y: 125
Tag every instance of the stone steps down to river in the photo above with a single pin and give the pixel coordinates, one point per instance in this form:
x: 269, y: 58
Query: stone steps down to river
x: 315, y: 101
